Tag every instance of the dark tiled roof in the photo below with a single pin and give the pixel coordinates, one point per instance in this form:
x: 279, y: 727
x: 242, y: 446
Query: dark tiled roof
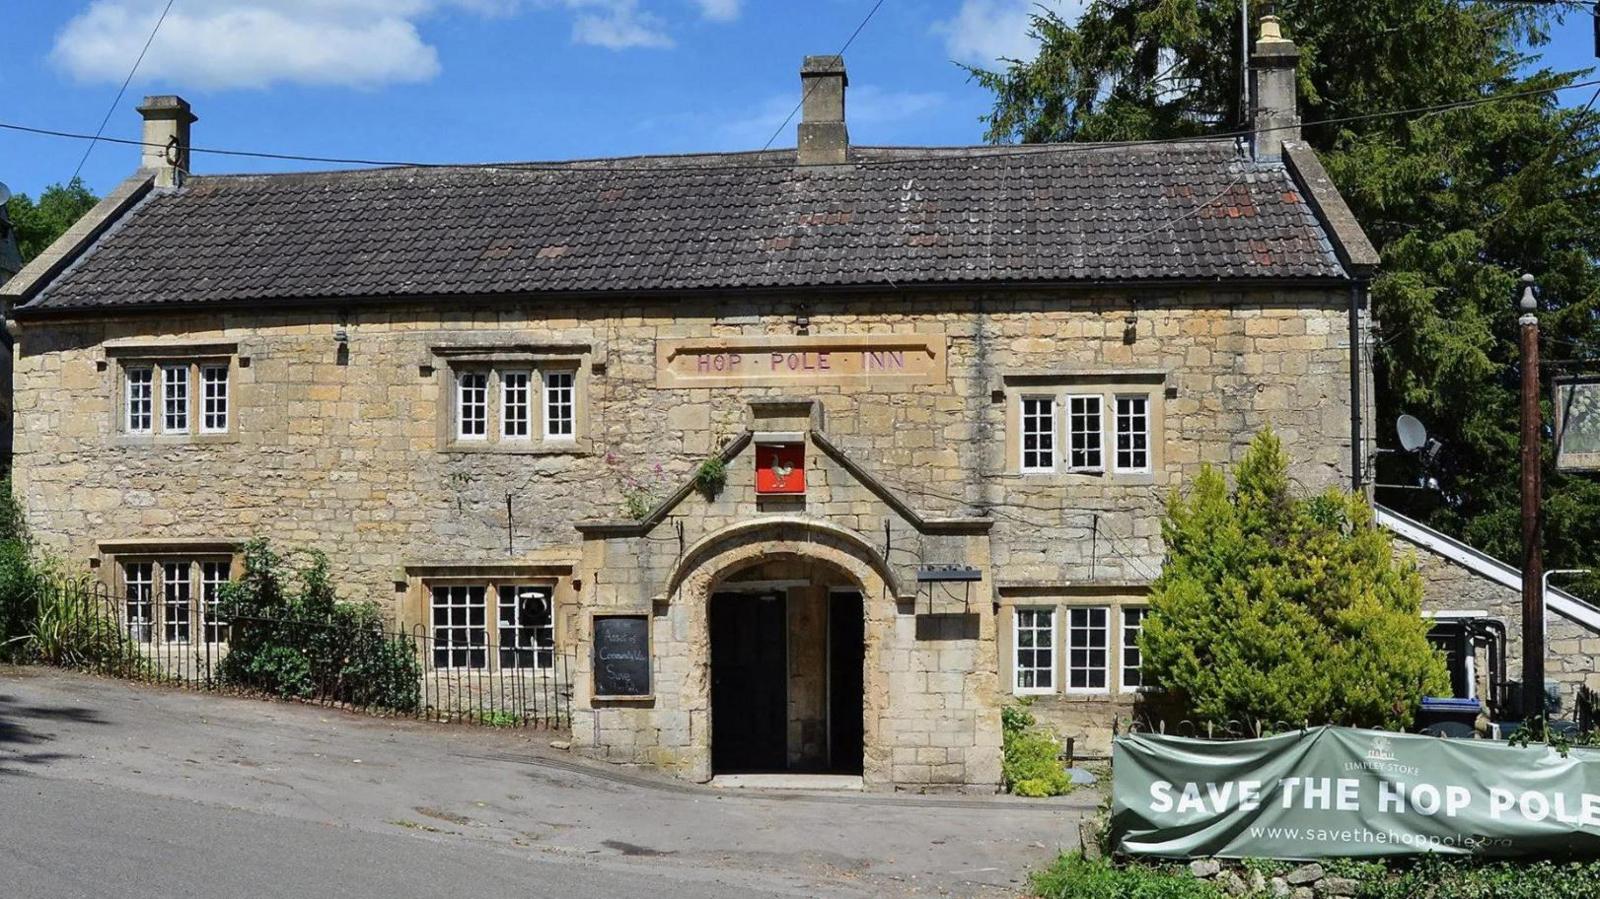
x: 1194, y: 211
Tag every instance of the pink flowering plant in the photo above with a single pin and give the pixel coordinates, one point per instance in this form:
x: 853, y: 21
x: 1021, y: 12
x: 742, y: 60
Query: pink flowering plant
x: 642, y: 485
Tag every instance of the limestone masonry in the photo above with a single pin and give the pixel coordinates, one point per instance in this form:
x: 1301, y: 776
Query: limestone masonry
x: 808, y: 460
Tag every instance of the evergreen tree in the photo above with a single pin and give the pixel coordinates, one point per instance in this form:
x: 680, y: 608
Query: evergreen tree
x: 1284, y: 610
x: 1459, y: 202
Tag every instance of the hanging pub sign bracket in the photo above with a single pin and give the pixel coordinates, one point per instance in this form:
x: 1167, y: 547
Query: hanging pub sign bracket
x: 934, y: 575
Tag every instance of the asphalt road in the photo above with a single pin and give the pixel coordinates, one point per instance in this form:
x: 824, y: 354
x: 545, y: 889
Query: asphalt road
x: 116, y: 789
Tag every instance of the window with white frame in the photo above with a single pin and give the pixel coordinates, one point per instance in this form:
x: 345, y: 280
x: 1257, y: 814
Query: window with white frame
x: 1088, y: 649
x: 527, y: 627
x: 175, y: 593
x: 138, y: 582
x: 515, y: 409
x: 160, y: 397
x: 472, y: 405
x: 175, y: 399
x: 1038, y: 434
x: 212, y: 576
x: 1130, y: 661
x: 1085, y: 432
x: 1133, y: 433
x: 213, y: 399
x: 460, y: 634
x: 1034, y: 651
x: 160, y: 599
x: 138, y: 395
x: 559, y: 405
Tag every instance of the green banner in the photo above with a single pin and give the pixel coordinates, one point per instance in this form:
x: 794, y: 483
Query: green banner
x: 1336, y: 791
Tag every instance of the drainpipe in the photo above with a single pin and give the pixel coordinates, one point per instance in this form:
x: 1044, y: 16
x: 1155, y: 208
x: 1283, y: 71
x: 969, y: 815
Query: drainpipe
x: 1358, y: 297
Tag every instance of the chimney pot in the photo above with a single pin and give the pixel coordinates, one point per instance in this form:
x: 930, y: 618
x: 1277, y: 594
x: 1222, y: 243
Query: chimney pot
x: 166, y: 138
x: 1274, y: 62
x: 823, y: 138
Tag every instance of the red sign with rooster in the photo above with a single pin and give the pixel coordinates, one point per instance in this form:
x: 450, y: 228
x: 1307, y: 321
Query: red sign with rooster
x: 780, y: 468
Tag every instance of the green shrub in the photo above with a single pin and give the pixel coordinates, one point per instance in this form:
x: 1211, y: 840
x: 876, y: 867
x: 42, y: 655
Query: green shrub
x: 1432, y: 877
x: 71, y: 627
x: 1031, y: 757
x: 1075, y: 877
x: 1428, y: 877
x: 1273, y: 608
x: 291, y: 636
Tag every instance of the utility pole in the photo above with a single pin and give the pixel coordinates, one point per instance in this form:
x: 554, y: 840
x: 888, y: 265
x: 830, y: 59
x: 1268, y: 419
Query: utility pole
x: 1532, y: 491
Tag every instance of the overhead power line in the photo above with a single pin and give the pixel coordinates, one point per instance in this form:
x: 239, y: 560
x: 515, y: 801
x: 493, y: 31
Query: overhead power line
x: 622, y: 163
x: 120, y: 91
x: 803, y: 97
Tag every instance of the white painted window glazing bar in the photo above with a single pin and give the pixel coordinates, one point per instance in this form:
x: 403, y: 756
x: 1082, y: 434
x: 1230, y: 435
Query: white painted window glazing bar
x: 1088, y: 649
x: 472, y: 405
x: 139, y: 390
x: 527, y: 627
x: 175, y: 594
x: 514, y: 406
x: 138, y: 580
x: 1033, y: 641
x: 1038, y: 434
x: 175, y: 399
x: 1085, y: 432
x: 1132, y: 678
x: 212, y: 576
x: 1133, y: 433
x: 559, y: 405
x: 214, y: 399
x: 460, y: 633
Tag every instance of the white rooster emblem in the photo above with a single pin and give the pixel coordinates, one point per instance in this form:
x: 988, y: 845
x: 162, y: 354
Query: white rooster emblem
x: 781, y: 471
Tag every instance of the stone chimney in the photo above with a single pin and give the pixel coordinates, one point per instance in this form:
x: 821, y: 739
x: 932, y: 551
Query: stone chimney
x: 1276, y: 116
x: 166, y: 138
x: 823, y: 139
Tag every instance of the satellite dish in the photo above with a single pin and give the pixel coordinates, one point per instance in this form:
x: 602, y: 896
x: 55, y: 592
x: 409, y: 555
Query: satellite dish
x: 1413, y: 433
x: 5, y: 194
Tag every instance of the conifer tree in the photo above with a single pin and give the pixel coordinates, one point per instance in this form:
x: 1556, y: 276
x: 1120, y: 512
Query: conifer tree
x: 1279, y: 609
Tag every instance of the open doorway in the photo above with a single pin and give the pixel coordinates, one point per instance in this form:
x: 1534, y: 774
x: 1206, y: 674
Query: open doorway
x: 787, y: 671
x: 847, y: 628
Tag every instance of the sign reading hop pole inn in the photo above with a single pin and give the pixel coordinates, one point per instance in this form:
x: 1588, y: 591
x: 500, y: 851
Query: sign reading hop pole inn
x: 1338, y: 792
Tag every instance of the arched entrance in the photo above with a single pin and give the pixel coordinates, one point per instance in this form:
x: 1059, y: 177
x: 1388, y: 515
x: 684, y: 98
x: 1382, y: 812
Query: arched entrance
x: 788, y: 656
x: 830, y: 583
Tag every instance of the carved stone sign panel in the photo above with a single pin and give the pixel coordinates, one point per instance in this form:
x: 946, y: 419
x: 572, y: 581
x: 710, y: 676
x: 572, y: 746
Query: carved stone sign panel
x: 861, y: 360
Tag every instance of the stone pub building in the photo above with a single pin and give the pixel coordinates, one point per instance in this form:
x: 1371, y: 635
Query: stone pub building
x: 948, y: 389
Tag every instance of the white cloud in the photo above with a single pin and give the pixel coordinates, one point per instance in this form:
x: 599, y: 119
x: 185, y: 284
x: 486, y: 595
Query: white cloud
x: 357, y: 43
x: 719, y: 10
x: 983, y: 31
x: 616, y: 25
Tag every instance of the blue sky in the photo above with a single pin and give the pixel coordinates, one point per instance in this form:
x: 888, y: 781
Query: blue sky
x: 486, y: 80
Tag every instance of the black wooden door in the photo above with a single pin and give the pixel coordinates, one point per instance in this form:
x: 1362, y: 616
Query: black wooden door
x: 846, y: 661
x: 749, y: 683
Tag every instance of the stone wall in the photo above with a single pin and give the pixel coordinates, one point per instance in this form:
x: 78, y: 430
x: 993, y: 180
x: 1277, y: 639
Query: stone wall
x: 344, y: 447
x: 1572, y: 651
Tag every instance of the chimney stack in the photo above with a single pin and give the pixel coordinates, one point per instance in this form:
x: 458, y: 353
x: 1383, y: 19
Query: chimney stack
x: 823, y: 139
x: 1273, y: 66
x: 166, y: 138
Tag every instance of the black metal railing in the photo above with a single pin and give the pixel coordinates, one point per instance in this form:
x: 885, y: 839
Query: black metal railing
x: 362, y: 667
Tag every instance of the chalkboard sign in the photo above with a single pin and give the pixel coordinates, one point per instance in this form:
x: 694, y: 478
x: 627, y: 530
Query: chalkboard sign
x: 621, y: 656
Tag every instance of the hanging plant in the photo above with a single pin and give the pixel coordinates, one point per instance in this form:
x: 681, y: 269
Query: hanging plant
x: 711, y: 477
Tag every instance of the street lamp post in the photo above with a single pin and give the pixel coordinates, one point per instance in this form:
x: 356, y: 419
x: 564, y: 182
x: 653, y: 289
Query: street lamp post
x: 1532, y: 489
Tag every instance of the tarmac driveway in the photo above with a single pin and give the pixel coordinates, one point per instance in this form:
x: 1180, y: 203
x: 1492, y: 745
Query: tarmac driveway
x: 108, y: 787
